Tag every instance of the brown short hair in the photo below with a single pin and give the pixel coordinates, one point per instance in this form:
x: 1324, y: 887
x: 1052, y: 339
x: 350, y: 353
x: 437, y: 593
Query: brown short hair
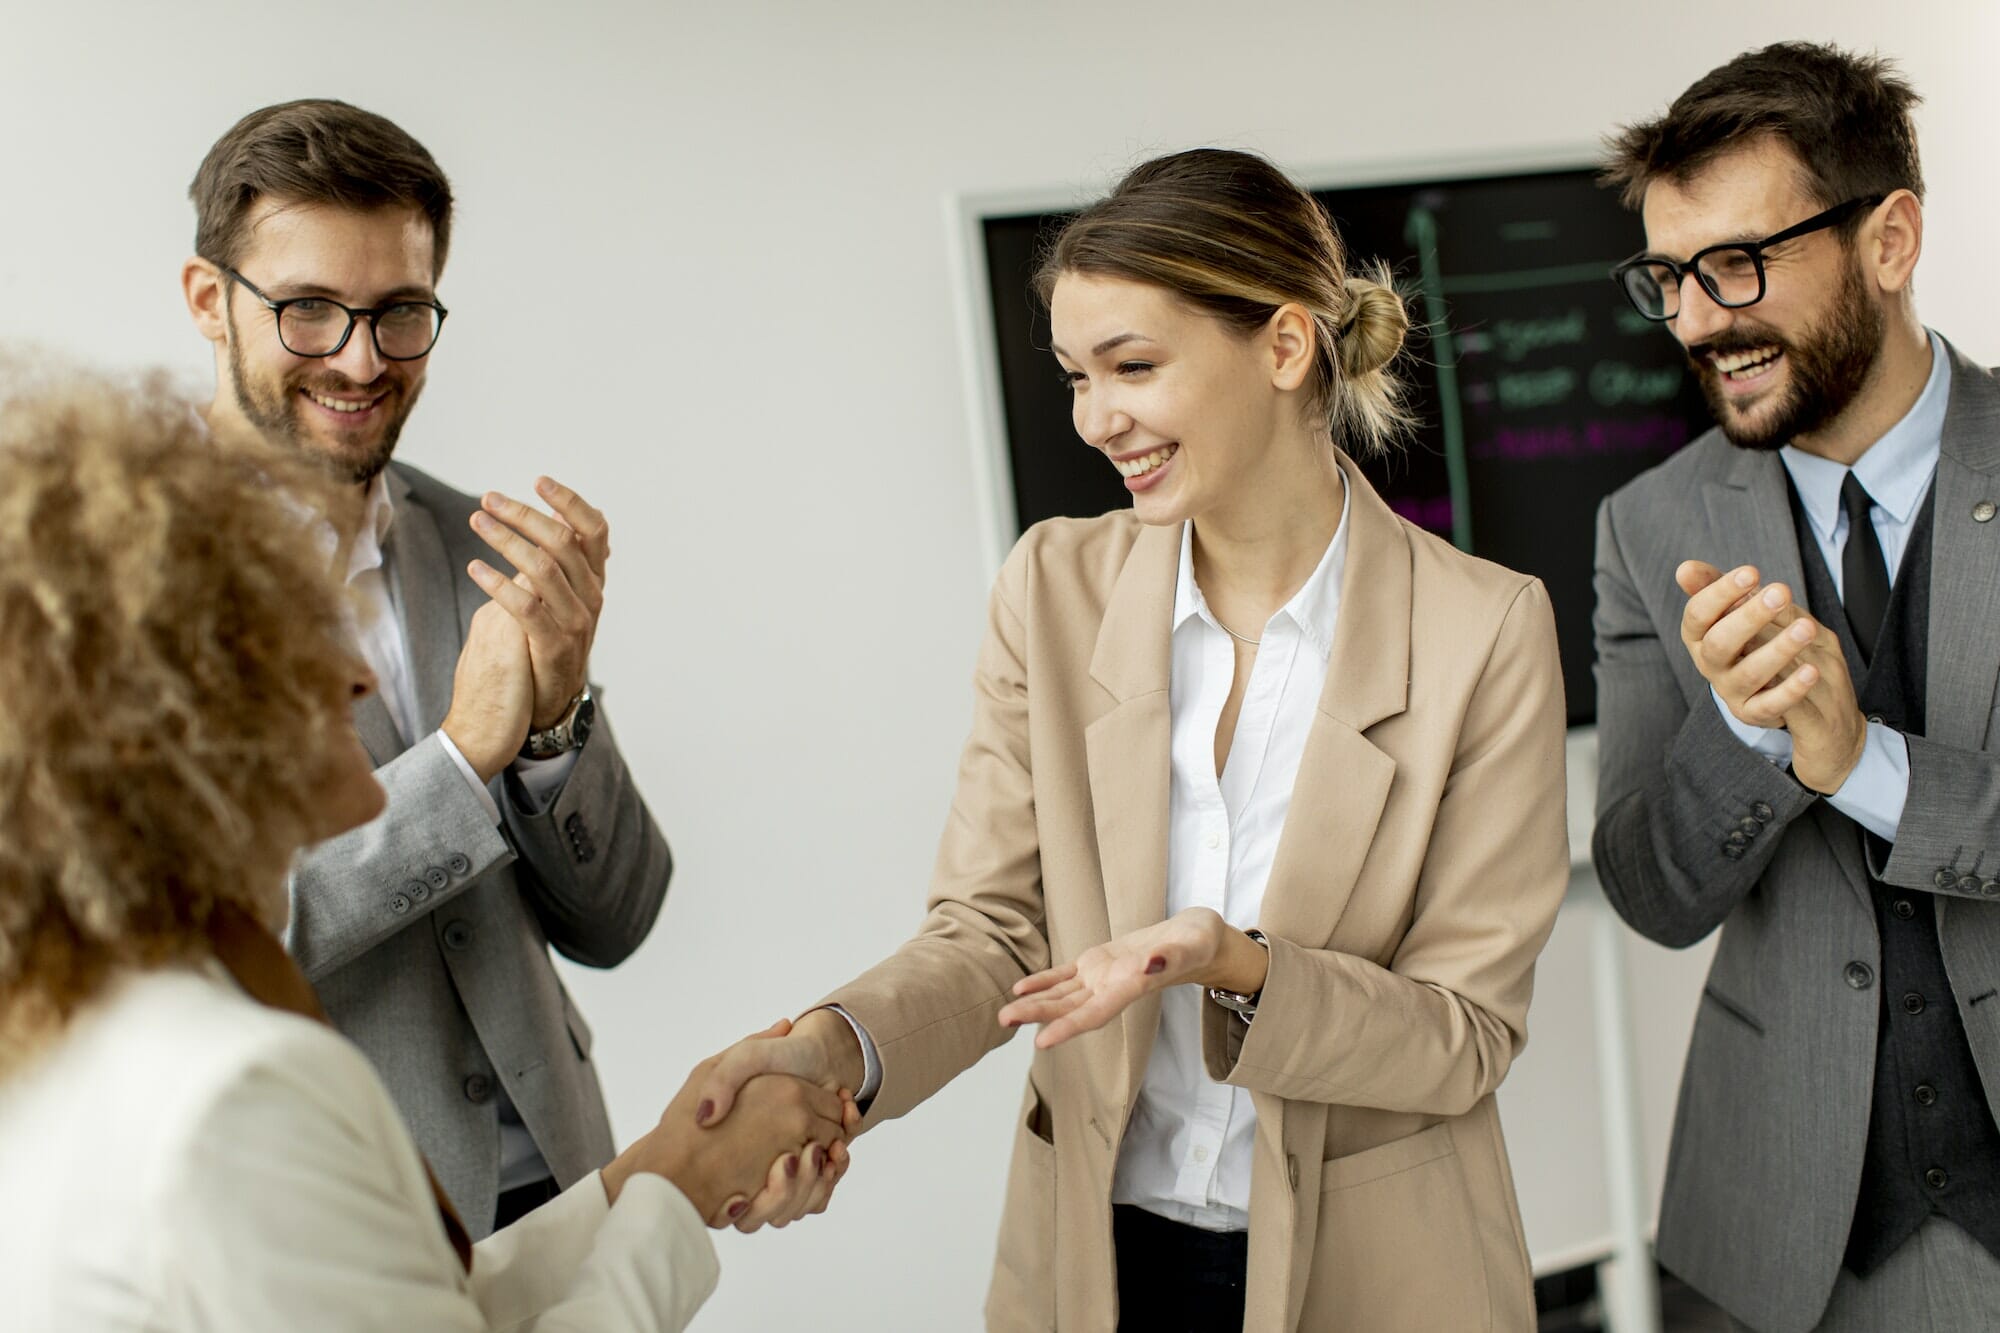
x: 1233, y: 236
x: 1846, y: 118
x: 316, y: 151
x: 172, y: 685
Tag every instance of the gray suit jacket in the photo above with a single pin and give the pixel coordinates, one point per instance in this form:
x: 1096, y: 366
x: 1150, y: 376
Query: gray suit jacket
x: 1767, y: 1144
x: 427, y: 932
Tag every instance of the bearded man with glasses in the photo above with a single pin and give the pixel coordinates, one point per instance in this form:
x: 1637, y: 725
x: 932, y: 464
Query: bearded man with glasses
x: 512, y: 822
x: 1798, y: 642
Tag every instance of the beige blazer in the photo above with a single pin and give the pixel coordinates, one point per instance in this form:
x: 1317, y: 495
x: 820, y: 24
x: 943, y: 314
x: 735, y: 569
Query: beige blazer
x: 1417, y: 877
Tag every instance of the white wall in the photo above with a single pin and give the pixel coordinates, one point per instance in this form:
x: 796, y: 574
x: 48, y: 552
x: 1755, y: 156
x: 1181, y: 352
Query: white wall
x: 702, y: 273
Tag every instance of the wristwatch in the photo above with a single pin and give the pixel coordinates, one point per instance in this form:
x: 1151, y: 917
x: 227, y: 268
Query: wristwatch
x: 569, y: 733
x: 1243, y: 1006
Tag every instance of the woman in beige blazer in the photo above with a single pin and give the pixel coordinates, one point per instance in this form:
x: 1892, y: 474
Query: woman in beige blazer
x: 184, y: 1143
x: 1262, y: 818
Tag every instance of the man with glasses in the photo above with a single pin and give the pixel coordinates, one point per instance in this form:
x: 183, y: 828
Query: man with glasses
x: 513, y: 823
x: 1798, y: 639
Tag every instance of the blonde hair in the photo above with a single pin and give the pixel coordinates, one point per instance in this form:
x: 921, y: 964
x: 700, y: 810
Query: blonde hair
x: 171, y: 684
x: 1233, y: 236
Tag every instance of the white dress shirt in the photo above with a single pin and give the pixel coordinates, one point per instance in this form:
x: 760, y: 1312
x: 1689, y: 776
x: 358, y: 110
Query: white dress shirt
x: 377, y: 631
x: 183, y: 1158
x: 1896, y: 471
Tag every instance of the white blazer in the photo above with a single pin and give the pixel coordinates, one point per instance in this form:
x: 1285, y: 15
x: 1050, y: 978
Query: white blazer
x: 185, y: 1158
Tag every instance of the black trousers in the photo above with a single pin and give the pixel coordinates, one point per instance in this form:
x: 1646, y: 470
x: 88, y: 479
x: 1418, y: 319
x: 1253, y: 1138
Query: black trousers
x: 518, y: 1202
x: 1174, y: 1278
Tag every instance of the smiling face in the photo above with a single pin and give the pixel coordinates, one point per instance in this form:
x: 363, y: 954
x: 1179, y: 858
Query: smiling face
x: 1188, y: 411
x: 1791, y: 364
x: 347, y: 408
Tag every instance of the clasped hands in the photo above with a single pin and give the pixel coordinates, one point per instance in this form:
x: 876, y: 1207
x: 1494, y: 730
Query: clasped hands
x: 527, y: 654
x: 821, y: 1050
x: 1773, y: 665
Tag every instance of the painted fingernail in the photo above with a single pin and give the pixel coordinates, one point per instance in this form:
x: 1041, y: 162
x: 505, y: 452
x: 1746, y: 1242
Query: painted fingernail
x: 737, y: 1209
x: 1773, y: 598
x: 792, y: 1166
x: 704, y: 1112
x: 1156, y: 966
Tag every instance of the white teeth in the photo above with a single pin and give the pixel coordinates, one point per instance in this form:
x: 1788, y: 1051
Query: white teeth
x: 337, y: 405
x: 1740, y: 365
x: 1139, y: 467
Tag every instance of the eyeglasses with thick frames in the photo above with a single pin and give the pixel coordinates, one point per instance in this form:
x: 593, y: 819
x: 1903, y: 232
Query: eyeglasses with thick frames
x: 1731, y: 273
x: 318, y: 326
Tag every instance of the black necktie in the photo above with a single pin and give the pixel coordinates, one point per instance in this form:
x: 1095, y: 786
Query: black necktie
x: 1864, y: 574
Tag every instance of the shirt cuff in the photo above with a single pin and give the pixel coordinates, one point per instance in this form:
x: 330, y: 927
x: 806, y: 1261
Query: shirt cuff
x: 485, y: 796
x: 541, y: 780
x: 1874, y: 793
x: 1774, y: 743
x: 871, y: 1062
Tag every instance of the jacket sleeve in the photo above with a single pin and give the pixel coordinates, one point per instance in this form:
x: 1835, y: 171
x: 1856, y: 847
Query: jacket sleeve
x: 593, y: 865
x: 931, y: 1007
x: 301, y: 1202
x: 1688, y: 816
x: 1435, y: 1030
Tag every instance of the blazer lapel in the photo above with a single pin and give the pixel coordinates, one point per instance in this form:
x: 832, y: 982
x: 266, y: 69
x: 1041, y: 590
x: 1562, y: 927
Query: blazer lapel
x: 1129, y: 755
x: 1964, y: 653
x: 1343, y: 779
x: 424, y: 584
x: 1750, y: 521
x: 377, y: 730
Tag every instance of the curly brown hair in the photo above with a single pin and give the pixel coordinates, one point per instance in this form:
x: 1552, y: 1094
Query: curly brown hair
x: 172, y: 684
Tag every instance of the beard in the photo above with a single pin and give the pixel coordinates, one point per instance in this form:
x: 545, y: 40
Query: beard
x: 276, y: 410
x: 1827, y: 366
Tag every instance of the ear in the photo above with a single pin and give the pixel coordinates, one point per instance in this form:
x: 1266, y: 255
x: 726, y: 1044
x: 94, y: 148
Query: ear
x: 1893, y: 240
x: 207, y: 293
x: 1292, y: 338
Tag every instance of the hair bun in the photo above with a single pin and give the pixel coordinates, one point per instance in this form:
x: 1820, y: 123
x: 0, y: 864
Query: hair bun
x: 1371, y: 333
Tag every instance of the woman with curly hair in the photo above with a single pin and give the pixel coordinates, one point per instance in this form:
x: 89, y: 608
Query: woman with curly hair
x: 183, y: 1141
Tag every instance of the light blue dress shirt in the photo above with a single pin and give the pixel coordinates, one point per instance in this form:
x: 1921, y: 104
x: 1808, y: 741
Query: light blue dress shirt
x: 1896, y: 471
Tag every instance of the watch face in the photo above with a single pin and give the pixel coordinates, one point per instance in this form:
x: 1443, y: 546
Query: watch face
x: 579, y: 729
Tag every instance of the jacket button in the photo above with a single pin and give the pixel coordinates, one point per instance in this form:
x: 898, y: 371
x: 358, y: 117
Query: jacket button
x: 1936, y: 1178
x: 1913, y: 1003
x: 1860, y: 975
x: 1968, y: 883
x: 1734, y: 853
x: 436, y: 878
x: 1944, y: 878
x: 418, y: 890
x: 478, y: 1088
x: 1926, y: 1095
x: 1989, y: 888
x: 399, y: 904
x: 457, y: 935
x: 1762, y: 813
x: 1983, y: 512
x: 1749, y: 826
x: 1738, y: 839
x: 1904, y: 909
x: 457, y: 864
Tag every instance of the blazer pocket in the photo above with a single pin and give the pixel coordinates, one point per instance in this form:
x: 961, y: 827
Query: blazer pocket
x: 1728, y: 1006
x: 1398, y: 1244
x: 1023, y: 1294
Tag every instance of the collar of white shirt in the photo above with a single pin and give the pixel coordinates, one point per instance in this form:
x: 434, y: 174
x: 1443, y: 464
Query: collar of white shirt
x: 1896, y: 470
x: 378, y: 511
x: 1314, y: 608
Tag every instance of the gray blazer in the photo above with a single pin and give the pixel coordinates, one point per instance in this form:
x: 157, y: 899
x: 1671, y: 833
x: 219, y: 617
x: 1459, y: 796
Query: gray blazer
x: 1767, y: 1145
x: 427, y: 932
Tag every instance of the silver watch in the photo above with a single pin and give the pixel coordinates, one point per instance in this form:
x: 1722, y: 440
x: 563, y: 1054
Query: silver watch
x: 1243, y: 1006
x: 569, y: 732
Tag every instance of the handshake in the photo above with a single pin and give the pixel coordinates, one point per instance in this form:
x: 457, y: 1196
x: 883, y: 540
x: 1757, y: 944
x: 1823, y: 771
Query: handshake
x: 759, y: 1134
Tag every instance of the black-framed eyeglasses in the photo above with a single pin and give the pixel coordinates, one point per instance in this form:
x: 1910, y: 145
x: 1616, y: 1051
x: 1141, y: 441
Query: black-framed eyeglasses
x: 320, y: 326
x: 1731, y: 273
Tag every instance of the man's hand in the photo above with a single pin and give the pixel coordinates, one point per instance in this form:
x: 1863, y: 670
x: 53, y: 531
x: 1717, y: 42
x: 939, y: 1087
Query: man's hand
x: 492, y: 691
x: 821, y: 1049
x: 1773, y: 665
x: 1196, y: 946
x: 557, y: 592
x: 777, y: 1120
